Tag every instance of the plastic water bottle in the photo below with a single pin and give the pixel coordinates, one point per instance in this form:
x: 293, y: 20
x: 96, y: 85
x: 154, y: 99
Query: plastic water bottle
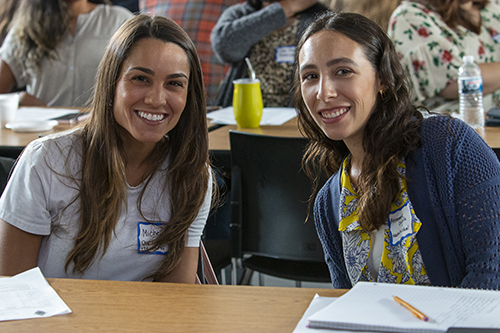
x: 470, y: 90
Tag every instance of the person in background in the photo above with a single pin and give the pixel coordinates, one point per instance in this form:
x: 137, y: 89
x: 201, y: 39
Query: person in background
x: 125, y: 196
x: 267, y: 33
x: 54, y: 48
x: 409, y: 201
x: 7, y: 12
x: 432, y: 36
x: 197, y: 18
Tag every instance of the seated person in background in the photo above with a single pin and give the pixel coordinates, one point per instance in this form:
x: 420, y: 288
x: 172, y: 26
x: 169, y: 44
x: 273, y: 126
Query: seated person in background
x: 54, y: 48
x: 267, y: 33
x: 409, y: 201
x: 432, y: 36
x: 126, y: 196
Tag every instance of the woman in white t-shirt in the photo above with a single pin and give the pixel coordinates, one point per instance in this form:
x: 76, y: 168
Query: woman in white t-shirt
x: 54, y: 47
x: 125, y: 196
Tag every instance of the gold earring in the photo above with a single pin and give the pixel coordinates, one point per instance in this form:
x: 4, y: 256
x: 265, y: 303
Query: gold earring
x: 382, y: 93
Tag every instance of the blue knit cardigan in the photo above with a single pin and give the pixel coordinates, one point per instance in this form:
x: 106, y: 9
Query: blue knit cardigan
x: 453, y: 184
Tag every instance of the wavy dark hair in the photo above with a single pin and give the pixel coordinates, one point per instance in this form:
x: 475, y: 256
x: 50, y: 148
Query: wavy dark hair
x: 452, y: 14
x: 103, y: 181
x: 6, y: 16
x: 392, y: 130
x: 40, y: 26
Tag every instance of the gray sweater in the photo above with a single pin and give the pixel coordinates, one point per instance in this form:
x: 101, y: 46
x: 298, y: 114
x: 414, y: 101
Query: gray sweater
x: 239, y: 28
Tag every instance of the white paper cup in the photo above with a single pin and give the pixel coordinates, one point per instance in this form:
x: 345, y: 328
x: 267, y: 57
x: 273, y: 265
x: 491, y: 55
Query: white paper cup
x: 8, y: 107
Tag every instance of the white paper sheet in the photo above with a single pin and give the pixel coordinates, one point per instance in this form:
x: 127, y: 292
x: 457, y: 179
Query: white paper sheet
x: 318, y: 303
x: 445, y: 307
x: 36, y: 114
x: 270, y: 116
x: 28, y: 295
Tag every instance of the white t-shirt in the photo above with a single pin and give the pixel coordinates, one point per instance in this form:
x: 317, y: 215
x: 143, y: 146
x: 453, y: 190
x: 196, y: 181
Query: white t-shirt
x: 37, y: 194
x: 68, y: 80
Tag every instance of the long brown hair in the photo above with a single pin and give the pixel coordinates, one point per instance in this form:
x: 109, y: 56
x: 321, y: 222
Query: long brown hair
x: 453, y: 15
x: 7, y: 12
x: 392, y: 129
x: 40, y: 26
x: 103, y: 181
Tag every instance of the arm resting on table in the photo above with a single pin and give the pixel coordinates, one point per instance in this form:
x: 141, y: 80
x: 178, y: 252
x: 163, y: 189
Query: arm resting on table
x: 18, y: 249
x: 489, y: 71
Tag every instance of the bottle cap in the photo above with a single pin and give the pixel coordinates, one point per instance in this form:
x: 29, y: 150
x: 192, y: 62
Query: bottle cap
x: 468, y: 58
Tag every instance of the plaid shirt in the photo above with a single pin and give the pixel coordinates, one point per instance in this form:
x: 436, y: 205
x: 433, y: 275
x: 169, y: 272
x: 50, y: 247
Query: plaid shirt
x: 197, y: 18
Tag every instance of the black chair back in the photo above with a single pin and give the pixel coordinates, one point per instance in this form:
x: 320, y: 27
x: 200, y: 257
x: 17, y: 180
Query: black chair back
x: 6, y: 165
x: 270, y: 202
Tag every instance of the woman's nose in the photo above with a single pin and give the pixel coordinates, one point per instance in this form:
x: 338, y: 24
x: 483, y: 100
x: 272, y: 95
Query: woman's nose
x: 156, y: 96
x: 326, y: 90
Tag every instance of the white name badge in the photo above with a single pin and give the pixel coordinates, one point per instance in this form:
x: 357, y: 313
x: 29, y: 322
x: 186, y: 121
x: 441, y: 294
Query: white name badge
x: 285, y: 54
x: 400, y: 224
x: 496, y: 38
x: 146, y: 233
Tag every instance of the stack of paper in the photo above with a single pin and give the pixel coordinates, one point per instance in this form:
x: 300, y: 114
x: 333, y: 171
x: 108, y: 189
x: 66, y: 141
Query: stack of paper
x: 28, y: 295
x: 371, y: 306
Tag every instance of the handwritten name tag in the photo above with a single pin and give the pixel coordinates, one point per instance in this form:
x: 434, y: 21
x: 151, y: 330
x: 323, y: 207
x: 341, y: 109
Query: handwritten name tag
x: 285, y: 54
x: 146, y: 233
x: 400, y: 224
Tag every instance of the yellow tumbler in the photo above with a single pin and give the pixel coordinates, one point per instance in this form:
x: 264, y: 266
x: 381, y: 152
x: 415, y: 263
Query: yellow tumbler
x: 247, y: 103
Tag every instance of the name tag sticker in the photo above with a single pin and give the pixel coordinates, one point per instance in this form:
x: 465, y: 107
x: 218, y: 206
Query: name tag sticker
x: 400, y: 224
x: 285, y: 54
x: 496, y: 38
x: 146, y: 233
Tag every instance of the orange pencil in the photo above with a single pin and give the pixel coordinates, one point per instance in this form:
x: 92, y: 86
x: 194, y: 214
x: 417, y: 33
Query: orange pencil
x: 413, y: 311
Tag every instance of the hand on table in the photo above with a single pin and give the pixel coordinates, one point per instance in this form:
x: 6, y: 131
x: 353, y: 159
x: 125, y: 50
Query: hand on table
x: 26, y: 99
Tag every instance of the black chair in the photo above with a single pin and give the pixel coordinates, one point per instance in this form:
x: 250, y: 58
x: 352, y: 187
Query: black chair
x: 270, y: 192
x: 6, y: 165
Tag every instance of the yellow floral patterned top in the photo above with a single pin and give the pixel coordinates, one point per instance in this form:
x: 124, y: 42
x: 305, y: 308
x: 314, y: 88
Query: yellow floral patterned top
x: 401, y: 259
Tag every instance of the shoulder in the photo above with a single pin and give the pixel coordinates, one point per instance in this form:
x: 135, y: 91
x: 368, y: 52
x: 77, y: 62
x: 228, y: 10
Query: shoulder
x: 436, y: 130
x: 451, y: 142
x: 492, y: 8
x: 54, y: 148
x: 413, y: 13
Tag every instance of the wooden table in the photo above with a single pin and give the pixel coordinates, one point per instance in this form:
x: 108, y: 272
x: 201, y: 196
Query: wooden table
x: 219, y: 138
x: 116, y: 306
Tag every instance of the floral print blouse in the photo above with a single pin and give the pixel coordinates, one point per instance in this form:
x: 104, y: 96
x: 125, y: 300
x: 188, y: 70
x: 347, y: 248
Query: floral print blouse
x: 401, y: 261
x: 432, y: 52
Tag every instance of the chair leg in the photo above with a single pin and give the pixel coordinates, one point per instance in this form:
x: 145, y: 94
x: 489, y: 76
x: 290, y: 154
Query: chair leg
x: 247, y: 277
x: 298, y: 284
x: 261, y: 279
x: 234, y: 271
x: 223, y: 276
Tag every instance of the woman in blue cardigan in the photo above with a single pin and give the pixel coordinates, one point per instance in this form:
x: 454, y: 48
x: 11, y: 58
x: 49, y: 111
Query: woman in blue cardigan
x: 409, y: 200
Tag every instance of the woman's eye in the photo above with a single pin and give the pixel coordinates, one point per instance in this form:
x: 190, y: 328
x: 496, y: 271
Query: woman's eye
x: 308, y: 76
x: 140, y: 78
x: 176, y: 83
x: 344, y: 71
